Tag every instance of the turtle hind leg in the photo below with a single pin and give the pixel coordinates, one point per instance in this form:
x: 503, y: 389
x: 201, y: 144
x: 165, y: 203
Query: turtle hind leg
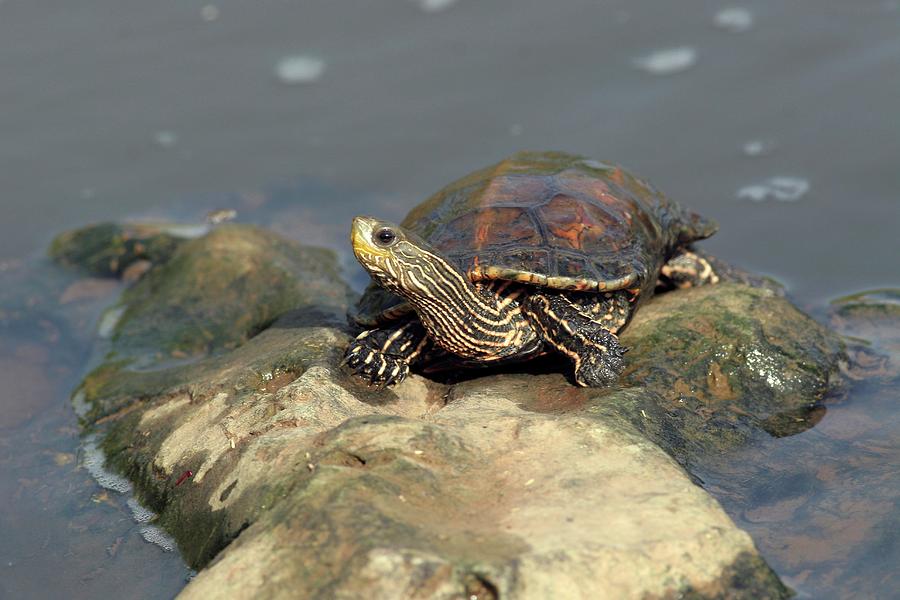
x: 693, y: 268
x: 383, y: 356
x: 580, y: 335
x: 690, y: 268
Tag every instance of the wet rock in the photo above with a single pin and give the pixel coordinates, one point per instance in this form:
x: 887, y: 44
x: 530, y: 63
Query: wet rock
x: 870, y: 319
x: 725, y: 361
x: 109, y: 249
x: 481, y: 494
x: 212, y: 295
x: 305, y: 482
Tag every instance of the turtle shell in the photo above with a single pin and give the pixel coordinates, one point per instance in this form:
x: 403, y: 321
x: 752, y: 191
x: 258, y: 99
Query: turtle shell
x: 555, y: 220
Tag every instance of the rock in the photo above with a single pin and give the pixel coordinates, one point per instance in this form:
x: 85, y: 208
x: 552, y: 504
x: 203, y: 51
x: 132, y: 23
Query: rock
x: 480, y: 495
x: 308, y: 483
x: 212, y: 295
x: 108, y: 249
x: 870, y: 319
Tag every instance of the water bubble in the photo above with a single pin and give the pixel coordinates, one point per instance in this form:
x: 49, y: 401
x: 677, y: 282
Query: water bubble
x: 95, y: 463
x: 783, y: 188
x: 165, y: 139
x: 155, y: 535
x: 140, y: 514
x: 734, y: 19
x: 668, y: 61
x: 757, y: 147
x: 299, y: 69
x: 433, y: 6
x: 210, y: 12
x: 79, y: 404
x: 109, y: 320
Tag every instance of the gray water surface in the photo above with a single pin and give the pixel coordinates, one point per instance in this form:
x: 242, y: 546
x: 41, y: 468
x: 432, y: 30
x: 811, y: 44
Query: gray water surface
x: 301, y: 114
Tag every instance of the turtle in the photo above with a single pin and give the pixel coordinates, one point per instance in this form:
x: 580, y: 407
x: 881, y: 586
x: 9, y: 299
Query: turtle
x: 542, y: 252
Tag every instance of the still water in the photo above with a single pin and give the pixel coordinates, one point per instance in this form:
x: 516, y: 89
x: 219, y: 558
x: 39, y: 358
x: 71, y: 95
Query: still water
x: 776, y: 118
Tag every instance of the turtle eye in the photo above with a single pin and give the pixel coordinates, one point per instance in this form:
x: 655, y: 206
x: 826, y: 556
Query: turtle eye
x: 385, y: 237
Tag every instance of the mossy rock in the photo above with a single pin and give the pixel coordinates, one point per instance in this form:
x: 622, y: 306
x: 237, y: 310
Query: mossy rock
x: 226, y: 362
x: 212, y: 295
x: 109, y: 249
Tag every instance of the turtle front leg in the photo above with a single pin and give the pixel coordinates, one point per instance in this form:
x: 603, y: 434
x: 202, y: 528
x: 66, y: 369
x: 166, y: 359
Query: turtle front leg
x: 595, y: 350
x: 382, y: 356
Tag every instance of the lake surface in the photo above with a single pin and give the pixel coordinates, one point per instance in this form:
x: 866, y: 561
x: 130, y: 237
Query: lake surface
x: 779, y: 119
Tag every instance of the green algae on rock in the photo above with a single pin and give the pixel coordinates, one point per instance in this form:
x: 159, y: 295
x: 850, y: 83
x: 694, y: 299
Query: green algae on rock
x: 213, y: 294
x: 872, y: 315
x: 109, y: 249
x: 728, y: 359
x: 307, y: 482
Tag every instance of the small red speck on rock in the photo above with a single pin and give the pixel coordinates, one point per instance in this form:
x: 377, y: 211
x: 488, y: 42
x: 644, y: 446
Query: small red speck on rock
x: 184, y: 476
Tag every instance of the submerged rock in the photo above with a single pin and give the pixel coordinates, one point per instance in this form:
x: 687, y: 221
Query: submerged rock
x: 305, y: 482
x: 110, y: 249
x: 871, y: 315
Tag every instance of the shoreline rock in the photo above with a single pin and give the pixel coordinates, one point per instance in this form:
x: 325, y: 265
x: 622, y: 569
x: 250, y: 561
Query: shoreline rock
x: 306, y: 482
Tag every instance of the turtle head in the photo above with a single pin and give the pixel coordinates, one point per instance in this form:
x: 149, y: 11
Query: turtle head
x: 445, y: 299
x: 397, y: 259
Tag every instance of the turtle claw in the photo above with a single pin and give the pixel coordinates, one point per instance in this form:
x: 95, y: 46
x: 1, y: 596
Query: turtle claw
x: 380, y: 370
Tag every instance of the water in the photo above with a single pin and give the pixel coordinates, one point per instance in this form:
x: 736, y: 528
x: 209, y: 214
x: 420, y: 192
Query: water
x: 669, y: 61
x: 299, y: 69
x: 734, y: 19
x: 822, y: 506
x: 781, y: 187
x: 119, y: 109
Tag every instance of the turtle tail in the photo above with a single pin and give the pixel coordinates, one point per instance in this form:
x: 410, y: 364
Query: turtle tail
x: 693, y: 227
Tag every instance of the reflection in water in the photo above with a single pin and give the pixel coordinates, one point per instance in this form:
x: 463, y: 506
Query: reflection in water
x: 209, y: 12
x: 735, y: 19
x: 783, y: 188
x: 64, y: 536
x: 757, y: 148
x: 669, y: 61
x: 433, y: 6
x: 299, y: 69
x: 165, y: 138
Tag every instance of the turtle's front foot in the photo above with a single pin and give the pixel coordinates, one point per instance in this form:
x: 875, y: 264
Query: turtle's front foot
x: 375, y: 367
x: 382, y: 356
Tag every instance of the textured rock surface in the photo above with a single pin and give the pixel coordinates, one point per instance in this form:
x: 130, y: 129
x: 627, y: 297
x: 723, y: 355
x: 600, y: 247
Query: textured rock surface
x: 307, y: 483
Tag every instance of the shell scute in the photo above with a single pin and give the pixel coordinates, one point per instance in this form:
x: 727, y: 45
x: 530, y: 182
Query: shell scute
x: 488, y: 227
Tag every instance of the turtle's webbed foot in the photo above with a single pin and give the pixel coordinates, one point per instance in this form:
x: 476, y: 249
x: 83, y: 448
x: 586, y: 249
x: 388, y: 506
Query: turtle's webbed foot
x: 690, y: 268
x: 382, y: 356
x: 375, y: 366
x: 693, y: 267
x: 601, y: 362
